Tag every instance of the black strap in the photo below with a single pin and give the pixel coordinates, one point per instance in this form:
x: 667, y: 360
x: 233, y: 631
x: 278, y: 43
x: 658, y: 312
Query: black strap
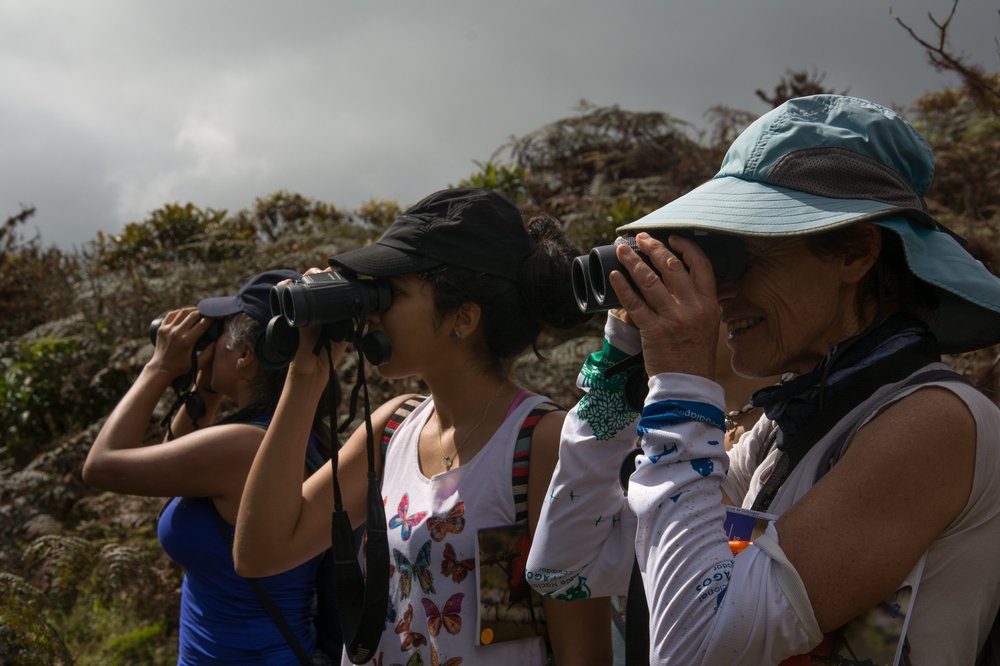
x: 361, y: 599
x: 262, y: 596
x: 636, y: 621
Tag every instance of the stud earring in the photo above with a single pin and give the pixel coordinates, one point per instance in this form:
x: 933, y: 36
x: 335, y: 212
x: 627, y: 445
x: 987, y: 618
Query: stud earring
x: 456, y: 334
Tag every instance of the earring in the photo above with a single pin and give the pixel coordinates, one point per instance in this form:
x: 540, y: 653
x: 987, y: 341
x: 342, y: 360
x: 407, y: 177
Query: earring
x: 456, y: 334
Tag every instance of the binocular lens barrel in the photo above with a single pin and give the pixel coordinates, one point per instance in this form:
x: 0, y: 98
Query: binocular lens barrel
x: 591, y: 288
x: 593, y: 293
x: 296, y: 305
x: 603, y: 260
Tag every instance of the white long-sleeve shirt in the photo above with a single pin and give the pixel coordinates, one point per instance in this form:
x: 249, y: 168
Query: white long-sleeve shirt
x: 707, y: 606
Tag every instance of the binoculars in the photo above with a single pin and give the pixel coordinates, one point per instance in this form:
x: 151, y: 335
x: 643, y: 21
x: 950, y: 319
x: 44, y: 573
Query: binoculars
x: 208, y: 337
x: 590, y: 272
x: 337, y: 301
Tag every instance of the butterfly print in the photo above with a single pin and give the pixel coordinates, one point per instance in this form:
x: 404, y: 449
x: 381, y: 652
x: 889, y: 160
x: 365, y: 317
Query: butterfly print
x: 411, y: 639
x: 420, y: 569
x: 454, y: 661
x: 401, y: 520
x: 454, y: 567
x: 450, y: 616
x: 453, y: 522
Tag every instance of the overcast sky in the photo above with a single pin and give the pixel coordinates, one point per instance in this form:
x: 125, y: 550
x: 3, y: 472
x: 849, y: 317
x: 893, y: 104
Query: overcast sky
x: 110, y: 109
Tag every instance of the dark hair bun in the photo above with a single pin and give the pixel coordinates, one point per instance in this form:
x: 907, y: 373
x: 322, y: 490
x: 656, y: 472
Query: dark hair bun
x: 545, y: 275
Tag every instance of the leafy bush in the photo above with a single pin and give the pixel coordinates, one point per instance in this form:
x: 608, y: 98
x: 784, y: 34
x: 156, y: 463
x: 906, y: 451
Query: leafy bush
x: 107, y: 601
x: 36, y: 283
x: 47, y: 389
x: 26, y: 636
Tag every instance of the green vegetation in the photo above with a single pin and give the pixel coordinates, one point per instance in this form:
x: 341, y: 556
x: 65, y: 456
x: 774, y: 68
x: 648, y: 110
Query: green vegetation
x: 84, y: 580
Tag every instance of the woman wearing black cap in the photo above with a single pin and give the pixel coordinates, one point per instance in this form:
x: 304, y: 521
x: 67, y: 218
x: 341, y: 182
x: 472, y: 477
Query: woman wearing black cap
x: 203, y: 469
x: 472, y: 289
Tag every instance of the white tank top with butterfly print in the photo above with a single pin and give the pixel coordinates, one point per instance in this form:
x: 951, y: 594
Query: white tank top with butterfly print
x: 433, y: 595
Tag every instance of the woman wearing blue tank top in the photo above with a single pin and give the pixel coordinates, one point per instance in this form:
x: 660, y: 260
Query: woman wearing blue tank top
x: 203, y: 467
x: 472, y: 288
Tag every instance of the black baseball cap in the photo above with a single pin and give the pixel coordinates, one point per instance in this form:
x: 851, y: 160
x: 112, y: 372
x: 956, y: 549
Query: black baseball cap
x: 252, y: 298
x: 469, y: 228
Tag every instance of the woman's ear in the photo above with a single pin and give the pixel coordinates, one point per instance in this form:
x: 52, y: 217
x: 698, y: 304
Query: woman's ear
x: 856, y: 265
x: 246, y: 362
x: 465, y: 320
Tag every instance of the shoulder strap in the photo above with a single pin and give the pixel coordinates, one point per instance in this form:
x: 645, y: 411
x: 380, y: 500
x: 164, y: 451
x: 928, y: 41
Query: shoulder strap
x: 521, y: 462
x: 838, y: 446
x: 265, y: 599
x: 397, y: 419
x: 522, y: 448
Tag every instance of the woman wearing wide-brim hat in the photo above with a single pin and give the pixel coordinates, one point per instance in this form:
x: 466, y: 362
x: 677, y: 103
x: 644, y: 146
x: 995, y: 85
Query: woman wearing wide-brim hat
x: 880, y: 462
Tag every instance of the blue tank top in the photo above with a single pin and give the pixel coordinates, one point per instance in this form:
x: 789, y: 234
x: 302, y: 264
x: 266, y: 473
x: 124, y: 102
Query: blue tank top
x: 221, y: 620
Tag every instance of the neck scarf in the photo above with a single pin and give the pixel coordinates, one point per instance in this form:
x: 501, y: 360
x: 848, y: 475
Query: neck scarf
x: 807, y: 407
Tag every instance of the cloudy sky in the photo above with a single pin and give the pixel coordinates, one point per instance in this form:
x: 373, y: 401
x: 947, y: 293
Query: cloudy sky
x: 111, y: 108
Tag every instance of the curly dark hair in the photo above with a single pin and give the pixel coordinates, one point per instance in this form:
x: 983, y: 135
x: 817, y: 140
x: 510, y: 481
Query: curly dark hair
x: 515, y: 314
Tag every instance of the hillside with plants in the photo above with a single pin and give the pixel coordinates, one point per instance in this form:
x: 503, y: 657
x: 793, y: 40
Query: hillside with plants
x: 82, y: 577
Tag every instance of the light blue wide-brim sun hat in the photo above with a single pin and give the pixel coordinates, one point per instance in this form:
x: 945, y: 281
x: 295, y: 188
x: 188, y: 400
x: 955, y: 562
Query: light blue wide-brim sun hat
x: 822, y: 162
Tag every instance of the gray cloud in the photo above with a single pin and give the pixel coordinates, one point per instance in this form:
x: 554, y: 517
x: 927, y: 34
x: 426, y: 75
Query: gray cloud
x: 113, y: 108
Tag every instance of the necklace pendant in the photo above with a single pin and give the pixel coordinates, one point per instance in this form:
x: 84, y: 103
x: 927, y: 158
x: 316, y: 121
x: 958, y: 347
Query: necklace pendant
x: 448, y: 462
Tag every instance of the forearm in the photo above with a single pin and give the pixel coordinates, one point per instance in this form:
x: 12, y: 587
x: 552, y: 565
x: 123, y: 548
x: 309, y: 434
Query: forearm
x: 702, y: 607
x: 584, y: 544
x: 126, y: 426
x: 579, y: 631
x: 269, y: 525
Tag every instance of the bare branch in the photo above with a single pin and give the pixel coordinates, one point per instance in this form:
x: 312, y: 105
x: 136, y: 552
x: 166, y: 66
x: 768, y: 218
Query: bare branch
x: 981, y: 87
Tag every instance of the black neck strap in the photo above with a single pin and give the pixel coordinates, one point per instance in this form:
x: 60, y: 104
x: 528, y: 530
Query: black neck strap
x: 361, y: 598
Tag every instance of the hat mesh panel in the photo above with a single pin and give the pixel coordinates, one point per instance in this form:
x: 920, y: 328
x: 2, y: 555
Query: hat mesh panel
x: 843, y: 174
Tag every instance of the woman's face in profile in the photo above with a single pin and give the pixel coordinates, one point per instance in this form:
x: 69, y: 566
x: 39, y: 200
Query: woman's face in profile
x: 412, y: 326
x: 787, y: 311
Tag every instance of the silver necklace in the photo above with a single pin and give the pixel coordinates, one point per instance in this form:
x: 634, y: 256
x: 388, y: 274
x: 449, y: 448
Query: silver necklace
x: 449, y: 461
x: 734, y: 415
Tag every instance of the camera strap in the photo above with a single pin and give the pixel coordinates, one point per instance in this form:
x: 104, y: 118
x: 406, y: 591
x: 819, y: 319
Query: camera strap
x: 183, y: 387
x: 361, y: 599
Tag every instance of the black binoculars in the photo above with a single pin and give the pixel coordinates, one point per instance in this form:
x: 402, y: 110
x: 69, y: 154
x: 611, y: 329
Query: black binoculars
x: 338, y: 301
x: 590, y: 273
x: 208, y: 337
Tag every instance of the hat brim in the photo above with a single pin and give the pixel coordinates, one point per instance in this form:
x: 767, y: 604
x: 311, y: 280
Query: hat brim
x: 748, y: 208
x: 968, y: 312
x: 379, y: 260
x: 219, y: 306
x: 968, y: 294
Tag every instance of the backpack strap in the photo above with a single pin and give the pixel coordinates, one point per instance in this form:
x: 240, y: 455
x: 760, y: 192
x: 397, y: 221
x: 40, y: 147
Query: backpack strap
x: 397, y: 419
x: 264, y: 598
x: 522, y: 448
x: 521, y: 462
